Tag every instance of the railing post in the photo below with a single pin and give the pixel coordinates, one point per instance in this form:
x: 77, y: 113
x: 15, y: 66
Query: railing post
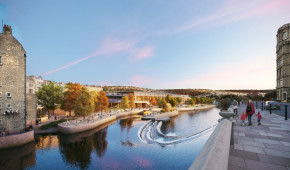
x: 286, y: 112
x: 270, y: 108
x: 256, y: 104
x: 262, y: 106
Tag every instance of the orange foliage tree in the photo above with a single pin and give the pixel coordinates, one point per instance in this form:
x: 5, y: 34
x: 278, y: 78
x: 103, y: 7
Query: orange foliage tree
x: 70, y: 96
x: 131, y: 101
x: 153, y: 101
x: 102, y: 102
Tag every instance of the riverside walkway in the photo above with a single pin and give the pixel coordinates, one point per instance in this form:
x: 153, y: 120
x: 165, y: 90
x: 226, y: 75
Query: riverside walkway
x: 265, y: 146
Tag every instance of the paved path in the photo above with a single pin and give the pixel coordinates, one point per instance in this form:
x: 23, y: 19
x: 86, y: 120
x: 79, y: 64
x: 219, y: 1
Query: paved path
x: 265, y: 146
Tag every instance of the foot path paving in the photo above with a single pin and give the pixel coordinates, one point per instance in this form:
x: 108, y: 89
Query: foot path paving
x: 262, y: 147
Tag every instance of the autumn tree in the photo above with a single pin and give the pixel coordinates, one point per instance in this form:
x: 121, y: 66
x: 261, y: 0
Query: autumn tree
x: 70, y: 96
x: 153, y: 101
x: 84, y: 105
x: 95, y: 95
x: 131, y: 101
x: 167, y: 107
x: 192, y: 101
x: 187, y: 101
x: 49, y: 96
x: 124, y: 102
x: 197, y: 100
x: 168, y: 98
x: 102, y: 102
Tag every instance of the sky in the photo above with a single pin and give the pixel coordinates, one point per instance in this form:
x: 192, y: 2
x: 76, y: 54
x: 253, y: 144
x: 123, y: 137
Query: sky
x: 159, y: 44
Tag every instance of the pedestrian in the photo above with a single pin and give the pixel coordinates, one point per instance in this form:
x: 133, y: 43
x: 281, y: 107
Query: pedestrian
x: 259, y: 118
x: 250, y: 110
x: 235, y: 107
x: 243, y: 118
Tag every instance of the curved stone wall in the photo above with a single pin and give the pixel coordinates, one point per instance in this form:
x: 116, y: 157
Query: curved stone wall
x: 215, y: 153
x: 16, y: 140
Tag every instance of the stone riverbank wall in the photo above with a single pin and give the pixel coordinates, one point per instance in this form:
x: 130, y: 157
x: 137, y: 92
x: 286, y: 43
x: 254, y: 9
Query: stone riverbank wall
x: 16, y: 140
x: 215, y: 153
x: 72, y: 129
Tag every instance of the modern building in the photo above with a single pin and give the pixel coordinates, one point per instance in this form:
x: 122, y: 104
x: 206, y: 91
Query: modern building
x: 283, y: 63
x: 142, y: 99
x: 12, y: 82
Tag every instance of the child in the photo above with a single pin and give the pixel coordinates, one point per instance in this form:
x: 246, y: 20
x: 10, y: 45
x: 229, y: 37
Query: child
x: 259, y: 118
x: 243, y: 117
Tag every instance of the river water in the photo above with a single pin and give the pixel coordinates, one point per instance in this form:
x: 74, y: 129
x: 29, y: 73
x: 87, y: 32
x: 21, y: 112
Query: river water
x: 129, y: 143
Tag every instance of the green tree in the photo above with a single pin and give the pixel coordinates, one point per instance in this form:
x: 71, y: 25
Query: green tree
x: 173, y: 102
x: 179, y: 100
x: 153, y: 101
x: 85, y: 103
x: 102, y: 102
x: 192, y: 102
x: 131, y: 101
x: 49, y: 96
x: 161, y: 102
x: 168, y: 98
x: 125, y: 102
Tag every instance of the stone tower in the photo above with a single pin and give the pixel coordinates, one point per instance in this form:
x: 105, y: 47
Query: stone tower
x: 12, y: 82
x: 283, y: 63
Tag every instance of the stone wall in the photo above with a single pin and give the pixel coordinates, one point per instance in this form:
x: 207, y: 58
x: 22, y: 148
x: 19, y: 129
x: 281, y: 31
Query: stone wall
x: 16, y: 140
x: 13, y: 82
x: 31, y: 104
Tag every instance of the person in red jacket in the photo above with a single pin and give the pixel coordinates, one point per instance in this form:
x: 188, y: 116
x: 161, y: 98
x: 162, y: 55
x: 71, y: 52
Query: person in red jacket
x: 243, y: 118
x: 259, y: 118
x: 250, y: 110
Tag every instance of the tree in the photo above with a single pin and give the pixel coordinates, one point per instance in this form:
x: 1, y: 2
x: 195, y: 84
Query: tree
x: 161, y: 102
x: 167, y: 107
x: 202, y: 100
x: 168, y: 98
x: 131, y: 101
x: 49, y: 96
x: 173, y: 102
x: 187, y: 101
x: 102, y: 102
x: 84, y: 105
x: 197, y: 100
x: 179, y: 100
x: 153, y: 101
x: 124, y: 102
x: 95, y: 95
x: 70, y: 96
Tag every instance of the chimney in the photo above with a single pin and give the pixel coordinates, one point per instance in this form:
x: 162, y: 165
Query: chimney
x: 7, y: 29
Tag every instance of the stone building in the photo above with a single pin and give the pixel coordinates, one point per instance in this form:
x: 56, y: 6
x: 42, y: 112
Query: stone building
x: 283, y: 63
x: 12, y: 82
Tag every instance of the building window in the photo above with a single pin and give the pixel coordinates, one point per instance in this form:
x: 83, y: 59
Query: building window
x: 0, y: 94
x: 0, y: 59
x: 0, y: 106
x: 0, y: 84
x: 284, y: 35
x: 8, y: 94
x: 8, y: 106
x: 30, y: 91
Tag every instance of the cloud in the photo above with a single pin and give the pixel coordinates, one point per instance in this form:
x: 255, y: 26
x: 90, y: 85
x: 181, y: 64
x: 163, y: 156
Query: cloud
x: 230, y: 11
x: 229, y: 75
x: 112, y: 46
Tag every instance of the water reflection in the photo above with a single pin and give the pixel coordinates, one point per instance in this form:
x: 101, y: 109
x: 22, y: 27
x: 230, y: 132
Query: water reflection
x: 18, y: 158
x: 100, y: 142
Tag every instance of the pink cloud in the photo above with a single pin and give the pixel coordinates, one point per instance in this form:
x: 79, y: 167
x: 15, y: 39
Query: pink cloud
x: 230, y: 11
x: 112, y: 46
x: 142, y: 53
x: 229, y: 75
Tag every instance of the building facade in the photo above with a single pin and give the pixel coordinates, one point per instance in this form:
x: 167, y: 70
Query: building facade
x: 283, y: 63
x: 12, y: 82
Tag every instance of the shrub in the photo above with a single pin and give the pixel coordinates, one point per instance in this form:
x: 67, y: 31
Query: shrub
x: 52, y: 124
x: 224, y: 104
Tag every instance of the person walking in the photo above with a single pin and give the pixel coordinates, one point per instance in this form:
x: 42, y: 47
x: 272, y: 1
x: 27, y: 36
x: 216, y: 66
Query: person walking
x: 250, y: 110
x: 235, y: 107
x: 243, y: 117
x: 259, y: 118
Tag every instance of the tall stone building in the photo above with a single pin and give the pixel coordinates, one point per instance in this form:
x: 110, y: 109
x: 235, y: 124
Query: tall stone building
x: 283, y: 63
x: 12, y: 82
